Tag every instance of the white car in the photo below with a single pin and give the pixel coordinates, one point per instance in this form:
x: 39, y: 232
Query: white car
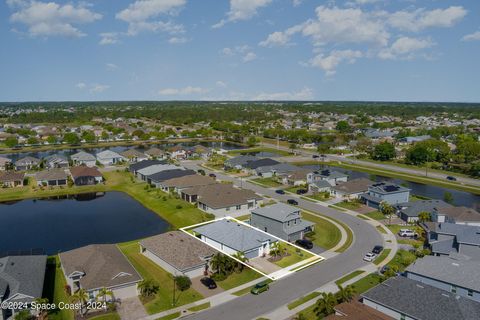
x: 407, y: 233
x: 369, y: 257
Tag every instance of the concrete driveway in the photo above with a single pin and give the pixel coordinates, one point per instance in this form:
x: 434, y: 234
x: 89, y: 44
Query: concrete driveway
x: 263, y: 265
x: 131, y: 309
x: 204, y: 291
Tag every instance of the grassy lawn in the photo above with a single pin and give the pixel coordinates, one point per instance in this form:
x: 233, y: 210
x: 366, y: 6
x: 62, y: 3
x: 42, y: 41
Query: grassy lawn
x: 326, y: 234
x: 200, y: 307
x: 172, y: 316
x: 282, y: 153
x: 381, y: 229
x: 268, y: 182
x: 349, y: 276
x: 149, y: 270
x: 362, y: 217
x: 294, y: 189
x: 382, y: 256
x: 349, y: 241
x: 242, y: 292
x: 108, y: 316
x: 302, y: 300
x: 367, y: 283
x: 295, y: 255
x: 401, y: 258
x: 377, y: 215
x: 351, y: 205
x: 244, y: 217
x: 321, y: 196
x: 54, y: 289
x: 237, y: 279
x: 395, y: 228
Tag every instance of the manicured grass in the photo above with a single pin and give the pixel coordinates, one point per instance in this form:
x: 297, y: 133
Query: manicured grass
x: 149, y: 270
x: 242, y: 292
x: 268, y: 182
x: 321, y: 196
x: 367, y: 283
x: 326, y: 234
x: 302, y: 300
x: 237, y: 279
x: 382, y: 256
x: 348, y: 277
x: 108, y: 316
x: 395, y: 228
x: 412, y: 242
x: 294, y: 189
x: 362, y: 217
x: 381, y: 229
x: 200, y: 307
x: 172, y: 316
x: 54, y: 289
x: 295, y: 255
x: 401, y: 258
x: 377, y: 215
x: 349, y: 241
x: 337, y: 208
x: 282, y: 153
x: 244, y: 217
x: 351, y: 205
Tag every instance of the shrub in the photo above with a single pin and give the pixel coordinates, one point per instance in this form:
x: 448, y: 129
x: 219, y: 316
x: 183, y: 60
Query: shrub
x: 178, y: 206
x: 183, y: 282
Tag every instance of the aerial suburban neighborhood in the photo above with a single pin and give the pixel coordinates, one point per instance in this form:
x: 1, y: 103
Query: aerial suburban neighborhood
x: 239, y: 160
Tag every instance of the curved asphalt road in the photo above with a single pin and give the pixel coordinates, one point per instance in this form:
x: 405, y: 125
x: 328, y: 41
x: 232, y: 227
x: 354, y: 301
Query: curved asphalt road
x: 302, y: 282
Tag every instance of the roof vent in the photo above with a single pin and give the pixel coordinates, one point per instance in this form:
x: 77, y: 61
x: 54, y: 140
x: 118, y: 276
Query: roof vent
x: 445, y: 295
x: 455, y: 264
x: 419, y: 286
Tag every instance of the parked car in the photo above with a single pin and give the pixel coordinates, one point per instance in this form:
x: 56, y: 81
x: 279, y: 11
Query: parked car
x: 385, y: 268
x: 302, y: 191
x: 260, y: 287
x: 208, y: 282
x: 377, y: 249
x: 315, y: 156
x: 201, y: 171
x: 212, y: 175
x: 369, y: 256
x: 451, y: 178
x: 304, y: 243
x: 292, y: 202
x: 407, y: 233
x: 280, y: 191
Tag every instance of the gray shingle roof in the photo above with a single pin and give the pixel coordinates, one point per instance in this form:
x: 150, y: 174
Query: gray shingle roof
x: 143, y: 164
x: 234, y: 235
x: 413, y: 208
x: 83, y: 156
x: 23, y: 275
x: 353, y: 186
x: 460, y: 214
x: 421, y: 301
x: 462, y: 273
x: 278, y: 211
x: 108, y: 154
x: 170, y: 174
x: 387, y: 188
x: 278, y: 168
x: 158, y: 168
x: 240, y: 160
x: 322, y: 184
x: 463, y: 233
x: 26, y: 161
x: 260, y: 163
x: 52, y: 174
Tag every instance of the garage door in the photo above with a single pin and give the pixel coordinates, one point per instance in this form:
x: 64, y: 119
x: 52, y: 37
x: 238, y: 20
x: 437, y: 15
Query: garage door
x: 125, y: 292
x: 251, y: 254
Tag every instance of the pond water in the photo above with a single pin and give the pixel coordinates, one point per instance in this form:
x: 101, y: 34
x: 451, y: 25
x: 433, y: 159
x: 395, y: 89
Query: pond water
x: 460, y: 198
x: 68, y: 152
x: 59, y: 224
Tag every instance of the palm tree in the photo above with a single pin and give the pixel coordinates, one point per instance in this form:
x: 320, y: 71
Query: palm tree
x: 103, y: 294
x: 81, y: 296
x: 42, y: 313
x: 345, y: 294
x: 240, y: 256
x: 219, y: 263
x: 424, y: 216
x: 148, y: 287
x: 387, y: 210
x: 325, y: 305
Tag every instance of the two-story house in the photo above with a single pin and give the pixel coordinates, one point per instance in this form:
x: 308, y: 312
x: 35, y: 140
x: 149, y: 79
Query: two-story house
x: 281, y: 220
x: 332, y: 177
x: 385, y: 192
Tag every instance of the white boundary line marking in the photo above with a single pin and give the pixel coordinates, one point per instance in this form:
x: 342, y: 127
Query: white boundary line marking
x: 282, y: 274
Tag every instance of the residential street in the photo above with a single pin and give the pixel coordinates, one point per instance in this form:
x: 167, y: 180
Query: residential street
x: 300, y: 283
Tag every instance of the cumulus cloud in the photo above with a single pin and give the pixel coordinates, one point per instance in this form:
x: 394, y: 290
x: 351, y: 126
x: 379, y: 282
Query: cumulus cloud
x: 108, y: 38
x: 140, y: 16
x: 304, y: 94
x: 189, y: 90
x: 250, y: 56
x: 328, y: 63
x: 111, y: 66
x: 242, y: 10
x: 472, y: 36
x: 98, y: 88
x: 81, y: 85
x: 420, y: 19
x: 45, y: 19
x: 244, y: 51
x: 177, y: 40
x: 405, y: 48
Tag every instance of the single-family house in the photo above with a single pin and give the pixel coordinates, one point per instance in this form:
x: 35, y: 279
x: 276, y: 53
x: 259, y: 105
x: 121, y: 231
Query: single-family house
x: 281, y: 220
x: 409, y: 211
x: 83, y: 175
x: 199, y: 151
x: 459, y: 215
x: 403, y: 298
x: 178, y: 253
x: 158, y: 179
x: 385, y: 192
x: 133, y: 155
x: 180, y: 183
x: 9, y: 179
x: 414, y: 139
x: 458, y: 276
x: 355, y: 310
x: 294, y: 178
x: 21, y: 282
x: 177, y: 152
x: 56, y: 161
x: 27, y: 163
x: 5, y: 163
x: 276, y: 169
x: 51, y: 177
x: 453, y: 239
x: 99, y: 266
x: 239, y: 161
x: 109, y: 157
x: 252, y: 165
x: 83, y: 158
x: 155, y: 153
x: 232, y: 237
x: 351, y: 189
x: 332, y: 177
x: 319, y: 186
x: 376, y: 134
x: 134, y: 167
x: 144, y: 173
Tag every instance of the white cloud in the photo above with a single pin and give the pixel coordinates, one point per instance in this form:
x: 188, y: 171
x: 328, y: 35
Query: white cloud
x: 189, y: 90
x: 52, y: 19
x: 277, y: 38
x: 221, y: 84
x: 108, y: 38
x: 296, y: 3
x: 98, y: 88
x: 242, y: 10
x: 304, y: 94
x: 81, y: 85
x: 405, y: 48
x: 329, y: 63
x: 140, y: 13
x: 472, y: 36
x: 420, y: 19
x: 177, y: 40
x: 111, y: 66
x: 250, y: 56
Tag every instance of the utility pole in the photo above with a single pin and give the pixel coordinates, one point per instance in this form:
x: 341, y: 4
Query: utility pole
x: 173, y: 298
x: 278, y: 142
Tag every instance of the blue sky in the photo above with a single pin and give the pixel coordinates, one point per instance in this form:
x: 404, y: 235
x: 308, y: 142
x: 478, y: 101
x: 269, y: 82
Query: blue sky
x: 398, y: 50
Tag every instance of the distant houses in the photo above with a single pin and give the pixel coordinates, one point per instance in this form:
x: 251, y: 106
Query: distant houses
x: 27, y: 163
x: 133, y: 155
x: 5, y: 163
x: 385, y: 192
x: 409, y: 211
x: 52, y: 177
x: 83, y: 175
x: 108, y: 157
x: 10, y: 179
x: 83, y: 158
x: 56, y: 161
x: 352, y: 189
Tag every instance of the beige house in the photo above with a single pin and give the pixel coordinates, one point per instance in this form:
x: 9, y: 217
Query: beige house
x: 11, y: 179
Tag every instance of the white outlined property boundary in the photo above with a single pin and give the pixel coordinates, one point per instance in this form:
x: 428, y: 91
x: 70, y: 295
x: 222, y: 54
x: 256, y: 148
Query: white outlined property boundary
x: 272, y: 276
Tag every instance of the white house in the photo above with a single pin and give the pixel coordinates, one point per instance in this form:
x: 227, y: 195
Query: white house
x: 108, y: 157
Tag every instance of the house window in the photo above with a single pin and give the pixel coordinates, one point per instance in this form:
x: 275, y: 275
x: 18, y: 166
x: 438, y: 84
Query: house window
x: 470, y: 293
x: 265, y: 229
x: 288, y: 223
x: 402, y: 317
x: 295, y: 221
x: 228, y: 209
x: 453, y: 289
x: 239, y: 207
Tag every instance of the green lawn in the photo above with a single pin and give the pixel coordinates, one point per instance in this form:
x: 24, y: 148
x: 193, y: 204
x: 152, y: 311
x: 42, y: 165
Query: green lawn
x: 150, y: 270
x: 54, y: 289
x: 395, y: 228
x: 294, y: 189
x: 348, y: 277
x: 321, y: 196
x: 295, y: 255
x: 382, y: 256
x: 351, y: 205
x: 402, y: 259
x: 302, y: 300
x: 200, y: 307
x: 268, y: 182
x: 349, y: 241
x: 242, y: 292
x: 377, y: 215
x: 366, y: 283
x: 237, y: 279
x: 362, y: 217
x: 108, y: 316
x: 326, y: 234
x: 381, y: 229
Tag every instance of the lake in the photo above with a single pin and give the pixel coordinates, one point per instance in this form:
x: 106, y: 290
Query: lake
x: 55, y: 225
x: 460, y: 198
x: 68, y: 152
